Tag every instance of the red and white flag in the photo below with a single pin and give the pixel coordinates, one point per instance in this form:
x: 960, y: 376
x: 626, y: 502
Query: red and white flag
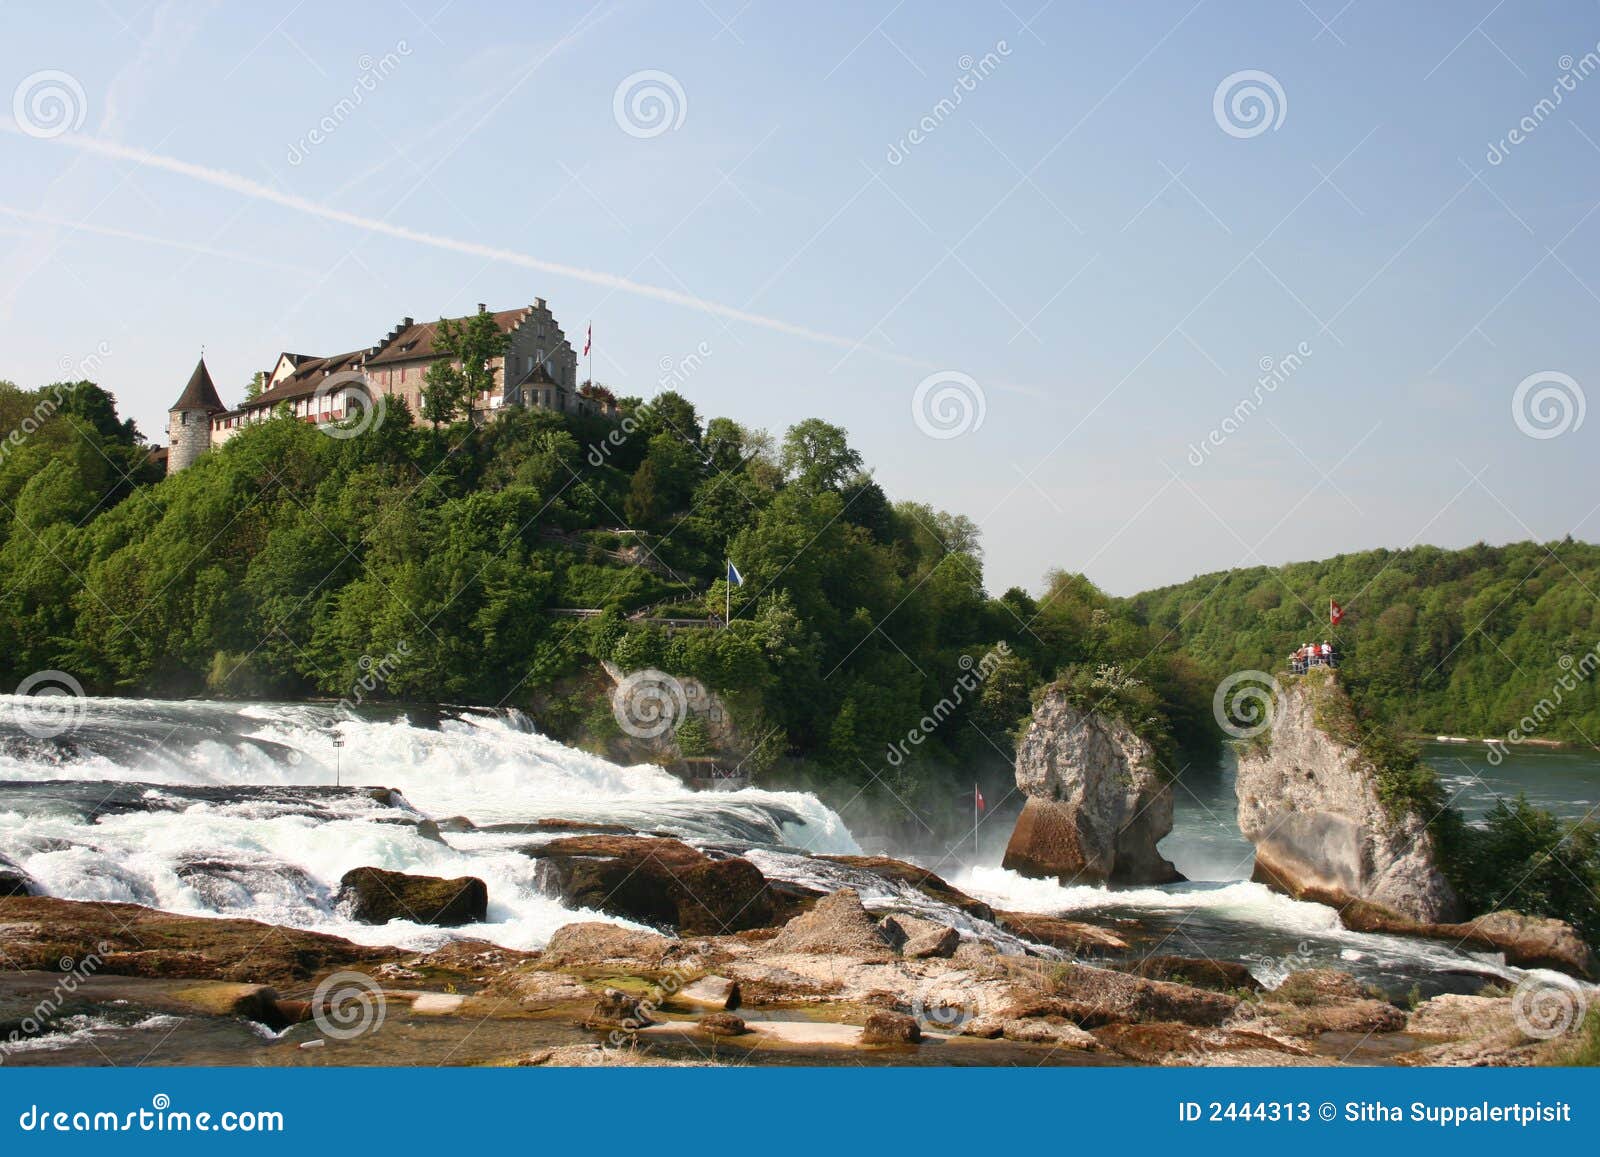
x: 588, y: 339
x: 1335, y: 613
x: 977, y: 798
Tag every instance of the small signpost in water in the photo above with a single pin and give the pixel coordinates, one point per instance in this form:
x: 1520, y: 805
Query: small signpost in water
x: 338, y: 760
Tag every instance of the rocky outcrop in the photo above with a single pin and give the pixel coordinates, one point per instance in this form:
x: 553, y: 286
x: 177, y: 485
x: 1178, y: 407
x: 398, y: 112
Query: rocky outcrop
x: 656, y: 881
x: 1308, y: 801
x: 837, y: 926
x: 1524, y: 941
x: 928, y: 883
x: 376, y: 896
x: 1096, y: 805
x: 14, y: 881
x: 40, y: 932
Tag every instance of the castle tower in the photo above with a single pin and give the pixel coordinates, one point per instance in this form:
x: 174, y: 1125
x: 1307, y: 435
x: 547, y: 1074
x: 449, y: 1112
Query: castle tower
x: 189, y: 419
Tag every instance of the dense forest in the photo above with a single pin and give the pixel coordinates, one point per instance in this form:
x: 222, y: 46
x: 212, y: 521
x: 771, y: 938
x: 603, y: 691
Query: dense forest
x: 1459, y: 642
x: 449, y: 558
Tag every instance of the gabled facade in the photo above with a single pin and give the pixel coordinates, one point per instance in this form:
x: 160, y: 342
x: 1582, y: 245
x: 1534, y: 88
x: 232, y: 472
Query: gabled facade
x: 539, y: 370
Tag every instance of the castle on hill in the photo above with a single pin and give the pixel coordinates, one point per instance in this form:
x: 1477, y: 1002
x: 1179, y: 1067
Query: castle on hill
x: 538, y: 370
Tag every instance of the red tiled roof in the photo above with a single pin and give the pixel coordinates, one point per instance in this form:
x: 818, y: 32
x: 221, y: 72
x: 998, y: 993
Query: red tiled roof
x: 416, y: 340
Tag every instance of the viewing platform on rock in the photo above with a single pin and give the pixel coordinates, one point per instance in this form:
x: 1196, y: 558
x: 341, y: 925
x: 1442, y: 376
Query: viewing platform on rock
x: 1311, y: 656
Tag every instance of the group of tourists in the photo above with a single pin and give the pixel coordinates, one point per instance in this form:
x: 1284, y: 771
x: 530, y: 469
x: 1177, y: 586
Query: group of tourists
x: 1313, y: 655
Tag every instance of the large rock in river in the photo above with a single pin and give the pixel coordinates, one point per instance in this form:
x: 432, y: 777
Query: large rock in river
x: 1097, y: 805
x: 376, y: 896
x: 1308, y: 801
x: 656, y: 881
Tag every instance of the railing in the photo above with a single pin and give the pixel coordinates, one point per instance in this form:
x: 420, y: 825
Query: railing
x: 1299, y: 665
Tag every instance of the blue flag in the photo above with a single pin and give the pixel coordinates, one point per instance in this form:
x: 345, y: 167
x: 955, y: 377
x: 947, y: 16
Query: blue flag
x: 735, y: 579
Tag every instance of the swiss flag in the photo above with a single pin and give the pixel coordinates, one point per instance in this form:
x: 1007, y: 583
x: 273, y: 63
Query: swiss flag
x: 588, y: 339
x: 1335, y: 613
x: 977, y: 798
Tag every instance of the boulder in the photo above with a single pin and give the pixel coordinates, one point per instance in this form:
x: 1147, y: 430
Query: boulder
x: 1096, y: 804
x: 594, y: 943
x: 377, y: 896
x: 723, y: 1024
x: 1055, y: 1031
x: 254, y: 1002
x: 919, y: 939
x: 837, y: 926
x: 890, y: 1028
x: 1309, y: 802
x: 1530, y: 941
x: 930, y: 884
x: 655, y: 881
x: 716, y: 992
x: 1069, y: 935
x: 617, y: 1009
x: 15, y: 882
x: 130, y: 940
x: 1221, y: 975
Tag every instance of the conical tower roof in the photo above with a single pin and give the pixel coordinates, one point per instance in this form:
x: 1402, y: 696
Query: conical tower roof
x: 199, y: 394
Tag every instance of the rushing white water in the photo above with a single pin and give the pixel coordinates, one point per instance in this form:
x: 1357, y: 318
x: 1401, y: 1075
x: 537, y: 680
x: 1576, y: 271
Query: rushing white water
x: 205, y: 845
x: 232, y: 809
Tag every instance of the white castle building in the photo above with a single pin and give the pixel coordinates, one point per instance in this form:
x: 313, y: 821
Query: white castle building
x: 538, y: 369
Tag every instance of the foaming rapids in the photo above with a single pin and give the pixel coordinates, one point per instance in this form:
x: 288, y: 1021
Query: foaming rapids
x: 257, y: 810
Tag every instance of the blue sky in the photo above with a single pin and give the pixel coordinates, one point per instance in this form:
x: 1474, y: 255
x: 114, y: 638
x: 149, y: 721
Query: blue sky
x: 1080, y: 237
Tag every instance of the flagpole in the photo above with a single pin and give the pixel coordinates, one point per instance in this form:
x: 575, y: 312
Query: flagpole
x: 974, y: 824
x: 727, y: 594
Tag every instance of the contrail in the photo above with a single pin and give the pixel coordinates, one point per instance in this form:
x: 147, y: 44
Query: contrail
x: 246, y: 187
x: 150, y: 239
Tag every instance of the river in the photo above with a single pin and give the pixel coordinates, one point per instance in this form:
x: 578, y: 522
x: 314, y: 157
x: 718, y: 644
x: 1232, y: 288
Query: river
x: 254, y: 809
